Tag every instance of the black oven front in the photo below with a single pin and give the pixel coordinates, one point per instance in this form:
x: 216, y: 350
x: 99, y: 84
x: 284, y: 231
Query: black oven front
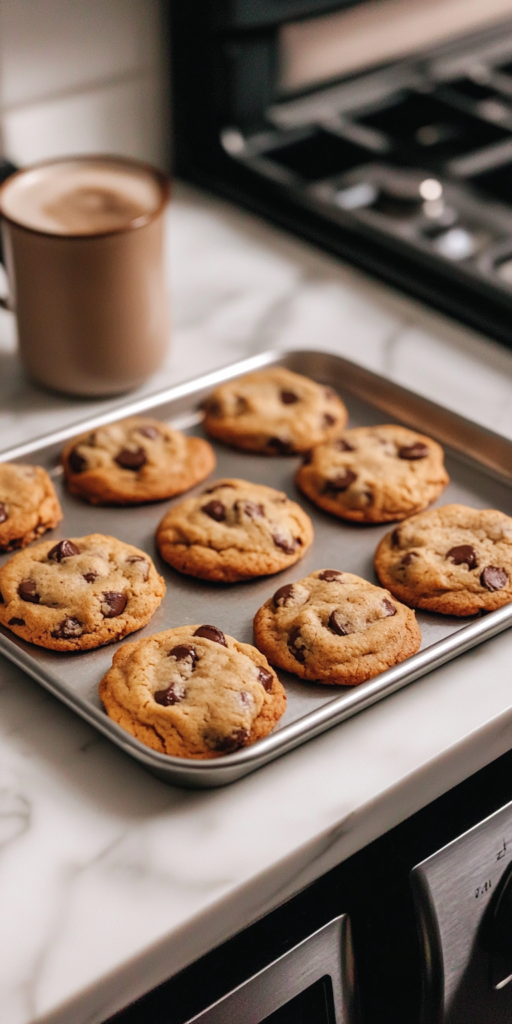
x: 416, y: 928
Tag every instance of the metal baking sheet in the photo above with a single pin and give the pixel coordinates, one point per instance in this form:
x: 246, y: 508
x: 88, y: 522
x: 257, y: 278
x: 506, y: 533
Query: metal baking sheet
x: 480, y: 467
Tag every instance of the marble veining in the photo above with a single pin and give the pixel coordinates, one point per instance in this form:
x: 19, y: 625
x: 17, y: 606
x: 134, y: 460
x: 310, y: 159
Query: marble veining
x: 110, y: 881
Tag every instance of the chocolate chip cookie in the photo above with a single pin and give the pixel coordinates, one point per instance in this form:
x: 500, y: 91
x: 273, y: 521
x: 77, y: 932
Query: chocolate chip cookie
x: 28, y: 504
x: 193, y: 692
x: 233, y: 531
x: 275, y: 412
x: 134, y: 461
x: 454, y: 560
x: 374, y: 474
x: 333, y: 627
x: 78, y: 593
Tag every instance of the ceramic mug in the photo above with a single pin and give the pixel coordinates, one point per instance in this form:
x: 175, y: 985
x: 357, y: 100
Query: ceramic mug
x: 83, y: 247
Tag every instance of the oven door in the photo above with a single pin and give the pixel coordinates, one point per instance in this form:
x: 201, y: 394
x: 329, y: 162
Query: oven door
x: 463, y: 896
x: 311, y: 984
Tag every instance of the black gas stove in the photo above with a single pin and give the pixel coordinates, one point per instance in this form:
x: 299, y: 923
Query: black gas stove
x: 403, y: 167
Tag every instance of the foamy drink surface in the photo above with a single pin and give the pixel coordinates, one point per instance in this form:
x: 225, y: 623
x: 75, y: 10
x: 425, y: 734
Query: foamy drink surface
x: 82, y: 197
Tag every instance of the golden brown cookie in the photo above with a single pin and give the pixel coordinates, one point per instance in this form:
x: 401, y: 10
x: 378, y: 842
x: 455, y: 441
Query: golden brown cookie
x: 28, y: 504
x: 134, y: 461
x: 78, y: 593
x: 454, y: 560
x: 374, y: 474
x: 193, y: 692
x: 334, y: 627
x: 275, y: 412
x: 233, y: 531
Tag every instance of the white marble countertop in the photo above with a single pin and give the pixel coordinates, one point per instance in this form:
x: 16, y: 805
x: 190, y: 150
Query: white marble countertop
x: 111, y: 881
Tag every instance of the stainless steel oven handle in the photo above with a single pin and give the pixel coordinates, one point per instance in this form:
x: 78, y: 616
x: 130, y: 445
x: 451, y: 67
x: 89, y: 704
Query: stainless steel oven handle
x: 328, y: 952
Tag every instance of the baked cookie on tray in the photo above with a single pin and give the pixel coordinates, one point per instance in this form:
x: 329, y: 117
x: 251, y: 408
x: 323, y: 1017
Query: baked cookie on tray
x: 134, y: 461
x: 233, y: 531
x: 193, y: 692
x: 454, y: 560
x: 334, y: 627
x: 374, y: 474
x: 79, y: 593
x: 28, y: 504
x: 275, y: 412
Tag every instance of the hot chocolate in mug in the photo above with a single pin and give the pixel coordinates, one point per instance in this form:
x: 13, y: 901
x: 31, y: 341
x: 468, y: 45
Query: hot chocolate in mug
x: 83, y: 248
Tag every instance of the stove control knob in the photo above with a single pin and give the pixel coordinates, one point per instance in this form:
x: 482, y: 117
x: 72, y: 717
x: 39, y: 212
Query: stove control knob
x: 497, y: 932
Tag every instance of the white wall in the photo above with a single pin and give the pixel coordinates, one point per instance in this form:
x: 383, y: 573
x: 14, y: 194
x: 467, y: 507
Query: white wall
x: 82, y: 76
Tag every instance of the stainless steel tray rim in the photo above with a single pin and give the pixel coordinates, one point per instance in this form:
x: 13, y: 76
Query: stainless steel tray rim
x: 211, y: 379
x: 143, y: 405
x: 370, y: 389
x: 338, y: 709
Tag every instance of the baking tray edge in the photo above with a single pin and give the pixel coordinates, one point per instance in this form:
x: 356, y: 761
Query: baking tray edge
x: 493, y: 452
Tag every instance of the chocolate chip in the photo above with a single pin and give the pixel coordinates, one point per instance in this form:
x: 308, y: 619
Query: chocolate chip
x: 330, y: 576
x: 151, y: 432
x: 307, y: 458
x: 174, y: 693
x: 251, y: 509
x: 343, y: 446
x: 68, y: 630
x: 64, y: 549
x: 1, y: 598
x: 16, y: 622
x: 288, y: 397
x: 463, y: 554
x: 341, y: 482
x: 388, y: 607
x: 143, y: 564
x: 329, y: 420
x: 494, y: 578
x: 335, y: 624
x: 266, y: 679
x: 113, y: 604
x: 216, y: 510
x: 89, y: 577
x: 211, y: 633
x: 395, y: 538
x: 298, y: 652
x: 246, y: 700
x: 418, y: 450
x: 213, y: 408
x: 227, y: 744
x: 3, y: 512
x: 129, y: 458
x: 279, y: 445
x: 76, y: 462
x: 408, y: 559
x: 286, y: 545
x: 28, y: 591
x: 182, y: 652
x: 283, y: 596
x: 241, y: 406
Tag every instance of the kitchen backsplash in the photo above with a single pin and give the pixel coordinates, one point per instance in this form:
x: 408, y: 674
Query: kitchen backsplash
x: 83, y: 76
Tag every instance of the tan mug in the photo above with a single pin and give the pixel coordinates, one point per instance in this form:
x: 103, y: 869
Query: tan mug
x: 84, y: 252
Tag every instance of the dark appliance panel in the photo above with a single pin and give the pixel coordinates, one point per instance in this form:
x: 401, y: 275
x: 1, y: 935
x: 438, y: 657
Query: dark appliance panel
x: 311, y: 984
x: 404, y: 168
x: 464, y: 901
